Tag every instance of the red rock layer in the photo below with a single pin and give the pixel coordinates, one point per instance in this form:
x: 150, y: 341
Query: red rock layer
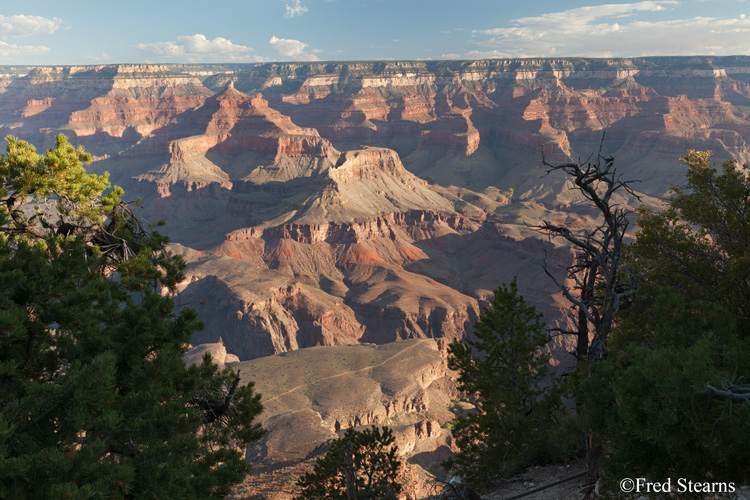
x: 308, y: 237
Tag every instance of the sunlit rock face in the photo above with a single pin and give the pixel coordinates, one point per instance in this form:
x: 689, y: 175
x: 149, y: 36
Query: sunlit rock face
x: 311, y: 395
x: 342, y: 222
x: 331, y: 204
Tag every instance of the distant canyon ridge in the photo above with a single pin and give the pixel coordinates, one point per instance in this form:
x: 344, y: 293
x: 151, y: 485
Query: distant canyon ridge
x: 329, y: 210
x: 340, y: 203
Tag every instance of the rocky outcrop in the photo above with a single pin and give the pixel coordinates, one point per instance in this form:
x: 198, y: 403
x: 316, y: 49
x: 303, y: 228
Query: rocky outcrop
x: 339, y: 203
x: 419, y: 224
x: 329, y: 289
x: 311, y: 395
x: 107, y: 108
x: 217, y: 351
x: 236, y: 137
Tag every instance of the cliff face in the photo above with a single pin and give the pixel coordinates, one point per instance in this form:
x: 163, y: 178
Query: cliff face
x: 439, y: 116
x: 105, y: 108
x: 340, y: 203
x: 328, y: 210
x: 311, y: 394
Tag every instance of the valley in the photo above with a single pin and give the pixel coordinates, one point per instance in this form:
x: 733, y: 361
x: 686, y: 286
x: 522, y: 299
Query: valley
x: 343, y: 222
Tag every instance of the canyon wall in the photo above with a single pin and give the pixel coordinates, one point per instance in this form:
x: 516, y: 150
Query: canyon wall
x: 334, y: 214
x: 339, y: 203
x: 310, y: 395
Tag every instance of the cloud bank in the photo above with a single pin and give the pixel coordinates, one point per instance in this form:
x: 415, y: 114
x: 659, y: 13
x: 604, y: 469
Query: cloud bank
x: 21, y: 26
x: 613, y: 30
x: 15, y: 51
x: 198, y: 48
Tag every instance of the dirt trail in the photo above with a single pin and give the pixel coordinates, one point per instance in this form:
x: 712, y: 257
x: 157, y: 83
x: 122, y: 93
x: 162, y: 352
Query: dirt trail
x: 307, y: 384
x: 540, y: 476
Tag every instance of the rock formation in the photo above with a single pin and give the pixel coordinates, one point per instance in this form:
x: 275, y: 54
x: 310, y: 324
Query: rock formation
x: 217, y: 351
x: 309, y: 395
x: 325, y: 205
x: 338, y: 203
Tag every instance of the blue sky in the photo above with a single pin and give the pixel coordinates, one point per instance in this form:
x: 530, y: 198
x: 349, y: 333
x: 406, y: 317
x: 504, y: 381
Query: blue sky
x: 139, y: 31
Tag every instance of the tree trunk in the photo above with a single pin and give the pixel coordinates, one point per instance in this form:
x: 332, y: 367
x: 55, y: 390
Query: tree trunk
x: 593, y: 453
x: 595, y: 273
x: 582, y: 348
x: 351, y: 487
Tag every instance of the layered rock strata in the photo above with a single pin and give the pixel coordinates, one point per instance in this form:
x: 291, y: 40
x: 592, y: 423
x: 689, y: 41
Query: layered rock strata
x: 338, y: 203
x: 312, y: 395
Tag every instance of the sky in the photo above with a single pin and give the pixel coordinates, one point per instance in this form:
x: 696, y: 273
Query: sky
x: 53, y: 32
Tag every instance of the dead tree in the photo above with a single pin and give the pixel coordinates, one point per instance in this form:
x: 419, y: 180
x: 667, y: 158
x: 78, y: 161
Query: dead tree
x: 601, y: 285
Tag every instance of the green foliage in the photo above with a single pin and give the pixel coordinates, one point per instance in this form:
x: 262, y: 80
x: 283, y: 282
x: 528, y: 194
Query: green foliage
x: 67, y: 201
x: 699, y: 244
x: 374, y: 464
x: 652, y: 401
x: 652, y: 405
x: 566, y: 440
x: 95, y: 400
x: 504, y: 371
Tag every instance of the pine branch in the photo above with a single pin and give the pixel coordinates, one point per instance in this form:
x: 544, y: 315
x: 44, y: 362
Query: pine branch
x: 729, y: 391
x: 215, y: 409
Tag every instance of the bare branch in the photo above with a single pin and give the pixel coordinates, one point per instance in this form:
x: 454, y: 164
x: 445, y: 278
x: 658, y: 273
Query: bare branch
x: 558, y: 332
x: 555, y: 230
x: 599, y: 289
x: 564, y: 289
x: 730, y: 391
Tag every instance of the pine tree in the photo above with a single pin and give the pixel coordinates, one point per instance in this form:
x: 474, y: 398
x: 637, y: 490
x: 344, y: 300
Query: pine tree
x: 504, y: 372
x: 673, y: 399
x: 652, y: 404
x: 700, y: 243
x: 95, y: 400
x: 360, y: 464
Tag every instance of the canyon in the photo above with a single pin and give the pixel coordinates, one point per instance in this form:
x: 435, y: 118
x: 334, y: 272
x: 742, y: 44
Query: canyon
x: 353, y: 210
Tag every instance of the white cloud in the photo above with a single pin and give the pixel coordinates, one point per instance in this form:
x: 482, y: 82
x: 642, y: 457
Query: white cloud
x: 98, y: 58
x: 293, y: 49
x: 295, y: 9
x: 487, y: 54
x: 198, y: 48
x: 574, y: 19
x: 21, y: 25
x: 12, y: 50
x: 610, y: 30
